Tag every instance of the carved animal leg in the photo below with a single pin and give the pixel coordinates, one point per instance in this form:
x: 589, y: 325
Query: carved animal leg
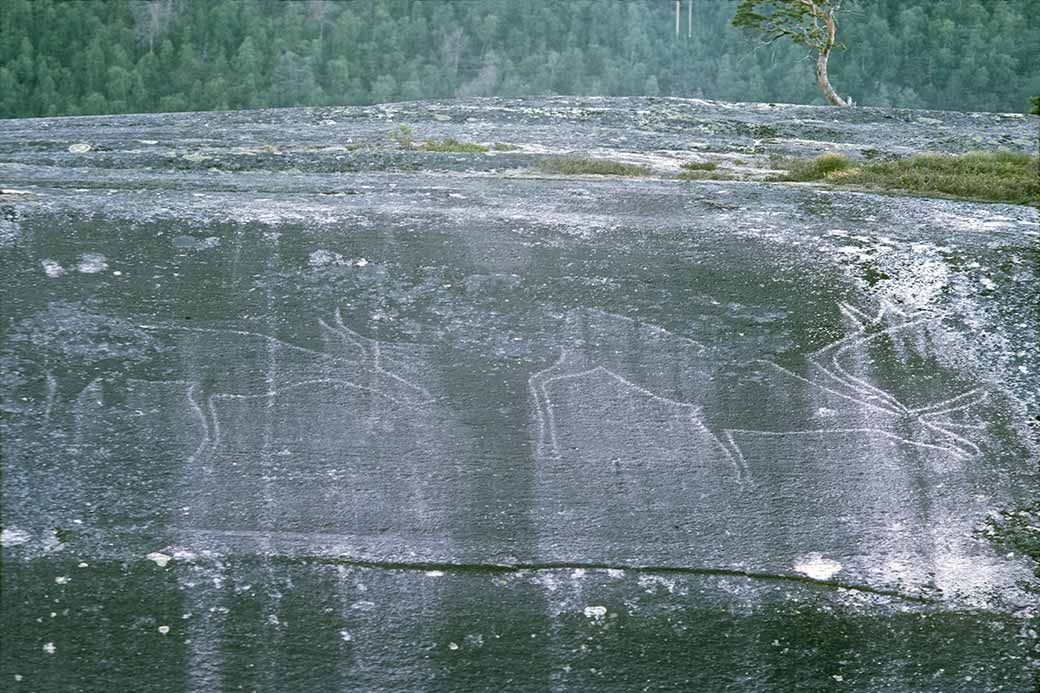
x: 370, y: 349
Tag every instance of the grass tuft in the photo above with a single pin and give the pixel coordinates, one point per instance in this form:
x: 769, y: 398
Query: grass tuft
x: 598, y: 167
x: 816, y: 169
x: 403, y: 135
x: 452, y: 145
x: 1000, y: 176
x: 700, y: 166
x: 503, y: 147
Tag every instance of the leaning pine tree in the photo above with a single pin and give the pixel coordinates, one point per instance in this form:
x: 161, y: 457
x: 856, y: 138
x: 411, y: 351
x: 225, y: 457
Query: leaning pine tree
x: 808, y: 23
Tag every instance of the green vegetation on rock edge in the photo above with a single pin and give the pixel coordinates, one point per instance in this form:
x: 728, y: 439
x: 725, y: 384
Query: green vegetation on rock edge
x: 990, y: 176
x: 452, y: 145
x: 700, y: 166
x: 598, y: 167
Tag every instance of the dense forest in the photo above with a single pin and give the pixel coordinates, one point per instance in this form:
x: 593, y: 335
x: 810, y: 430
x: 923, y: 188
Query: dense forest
x: 117, y: 56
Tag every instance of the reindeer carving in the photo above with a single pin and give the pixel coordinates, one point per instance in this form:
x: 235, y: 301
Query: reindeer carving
x: 597, y: 342
x: 211, y: 362
x: 634, y: 452
x: 241, y: 364
x: 935, y: 418
x: 676, y: 369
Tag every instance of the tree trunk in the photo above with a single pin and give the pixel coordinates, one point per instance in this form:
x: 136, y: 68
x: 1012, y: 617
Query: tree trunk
x: 825, y: 84
x: 825, y: 51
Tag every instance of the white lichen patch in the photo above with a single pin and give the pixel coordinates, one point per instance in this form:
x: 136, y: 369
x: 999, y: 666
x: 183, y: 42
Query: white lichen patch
x: 548, y: 581
x: 160, y: 559
x: 817, y: 567
x: 651, y: 583
x: 920, y: 284
x: 595, y: 613
x: 12, y: 536
x: 181, y: 554
x: 92, y: 263
x: 51, y: 268
x: 324, y: 258
x: 51, y: 542
x: 976, y: 582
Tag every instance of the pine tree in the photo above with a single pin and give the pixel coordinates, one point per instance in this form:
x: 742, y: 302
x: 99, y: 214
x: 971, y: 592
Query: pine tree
x: 809, y: 23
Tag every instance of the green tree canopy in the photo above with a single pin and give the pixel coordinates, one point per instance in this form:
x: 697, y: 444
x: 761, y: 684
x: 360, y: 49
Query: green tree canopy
x: 103, y: 56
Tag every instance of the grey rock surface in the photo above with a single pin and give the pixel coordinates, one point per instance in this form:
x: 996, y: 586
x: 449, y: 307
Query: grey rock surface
x: 288, y: 406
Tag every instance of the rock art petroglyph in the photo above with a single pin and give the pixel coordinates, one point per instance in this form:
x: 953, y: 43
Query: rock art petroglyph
x: 222, y: 364
x: 849, y: 403
x: 295, y: 440
x: 277, y: 437
x: 632, y: 472
x: 597, y: 343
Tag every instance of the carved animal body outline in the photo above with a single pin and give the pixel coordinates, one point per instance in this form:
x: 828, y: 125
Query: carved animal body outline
x: 367, y: 353
x: 575, y: 363
x: 933, y: 417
